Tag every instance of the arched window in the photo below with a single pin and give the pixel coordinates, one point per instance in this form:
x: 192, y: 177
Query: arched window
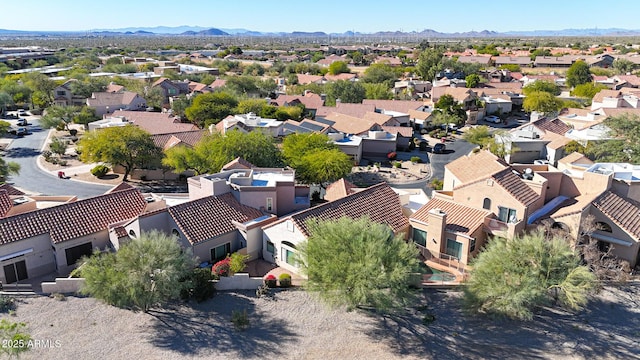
x: 286, y: 243
x: 603, y: 226
x: 132, y: 233
x: 486, y: 204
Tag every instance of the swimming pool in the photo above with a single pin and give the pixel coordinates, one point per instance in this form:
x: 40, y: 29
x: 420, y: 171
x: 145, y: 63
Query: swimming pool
x: 435, y: 275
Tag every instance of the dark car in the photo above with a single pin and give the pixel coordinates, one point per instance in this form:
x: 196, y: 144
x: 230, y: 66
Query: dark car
x: 439, y: 148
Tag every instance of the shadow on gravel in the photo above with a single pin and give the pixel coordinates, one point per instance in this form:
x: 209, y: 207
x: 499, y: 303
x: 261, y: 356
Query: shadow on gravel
x: 608, y: 328
x: 207, y: 328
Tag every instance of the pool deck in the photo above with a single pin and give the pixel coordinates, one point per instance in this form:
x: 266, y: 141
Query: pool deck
x: 426, y: 279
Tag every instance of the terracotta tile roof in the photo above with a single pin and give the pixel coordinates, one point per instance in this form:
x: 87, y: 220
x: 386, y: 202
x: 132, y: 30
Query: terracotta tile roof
x: 378, y: 118
x: 190, y: 138
x: 393, y: 61
x: 403, y: 106
x: 120, y: 187
x: 633, y: 80
x: 304, y: 79
x: 460, y: 218
x: 339, y: 189
x: 574, y: 157
x: 120, y: 231
x: 485, y: 60
x: 310, y: 100
x: 514, y: 185
x: 623, y: 212
x: 112, y: 99
x: 553, y: 125
x: 218, y: 83
x: 379, y: 202
x: 5, y: 203
x: 355, y: 110
x: 514, y: 86
x: 517, y: 60
x: 11, y: 190
x: 599, y: 97
x: 403, y: 131
x: 619, y: 111
x: 73, y: 220
x: 420, y: 115
x: 211, y: 216
x: 476, y: 166
x: 349, y: 124
x: 114, y: 88
x: 160, y: 81
x: 342, y: 76
x: 237, y: 163
x: 155, y: 123
x: 459, y: 94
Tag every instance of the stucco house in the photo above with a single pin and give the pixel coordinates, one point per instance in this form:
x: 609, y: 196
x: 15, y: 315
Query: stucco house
x: 52, y: 239
x: 379, y: 202
x: 108, y: 102
x: 63, y: 95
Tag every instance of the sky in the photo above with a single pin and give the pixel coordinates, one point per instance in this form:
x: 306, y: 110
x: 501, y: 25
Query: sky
x: 330, y: 16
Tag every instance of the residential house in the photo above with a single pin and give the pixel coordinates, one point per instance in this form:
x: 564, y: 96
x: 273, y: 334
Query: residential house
x: 270, y: 190
x: 416, y: 89
x: 552, y: 61
x: 251, y: 122
x: 331, y: 59
x: 106, y: 103
x: 482, y: 60
x: 465, y: 97
x: 305, y: 79
x: 52, y: 239
x: 631, y: 81
x: 154, y: 123
x: 522, y: 61
x: 342, y: 76
x: 379, y: 202
x: 312, y: 102
x: 541, y: 139
x: 63, y: 95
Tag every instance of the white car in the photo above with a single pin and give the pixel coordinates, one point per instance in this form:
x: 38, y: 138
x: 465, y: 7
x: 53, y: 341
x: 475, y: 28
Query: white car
x: 492, y: 119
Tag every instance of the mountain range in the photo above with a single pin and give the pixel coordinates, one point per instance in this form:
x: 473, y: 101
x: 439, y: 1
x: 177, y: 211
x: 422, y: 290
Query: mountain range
x: 428, y: 33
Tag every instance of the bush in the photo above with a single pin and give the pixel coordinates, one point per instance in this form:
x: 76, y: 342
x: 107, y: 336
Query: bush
x: 198, y: 285
x: 99, y: 171
x: 238, y: 262
x: 415, y: 159
x: 392, y: 155
x: 270, y: 281
x: 7, y: 303
x: 240, y: 319
x: 62, y: 162
x: 285, y: 280
x: 221, y: 268
x: 397, y: 164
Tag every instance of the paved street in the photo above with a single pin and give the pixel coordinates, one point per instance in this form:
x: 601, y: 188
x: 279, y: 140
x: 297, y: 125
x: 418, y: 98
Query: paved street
x: 25, y: 151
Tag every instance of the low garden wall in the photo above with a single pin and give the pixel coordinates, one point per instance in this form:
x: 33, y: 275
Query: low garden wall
x: 238, y: 282
x: 63, y: 286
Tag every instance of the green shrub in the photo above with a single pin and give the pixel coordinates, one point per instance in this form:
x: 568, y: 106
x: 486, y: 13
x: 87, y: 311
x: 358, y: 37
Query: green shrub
x: 240, y: 319
x: 7, y: 303
x: 238, y: 262
x: 415, y: 159
x: 285, y: 280
x: 397, y: 164
x: 198, y: 285
x: 270, y: 281
x: 99, y: 171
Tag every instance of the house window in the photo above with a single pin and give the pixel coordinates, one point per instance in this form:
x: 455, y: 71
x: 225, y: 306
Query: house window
x: 132, y: 233
x: 269, y: 204
x: 220, y: 252
x: 454, y: 248
x: 472, y: 245
x: 175, y: 233
x: 420, y: 237
x: 486, y: 204
x: 289, y: 256
x: 73, y: 254
x: 172, y: 91
x: 507, y: 215
x: 61, y: 93
x: 270, y: 247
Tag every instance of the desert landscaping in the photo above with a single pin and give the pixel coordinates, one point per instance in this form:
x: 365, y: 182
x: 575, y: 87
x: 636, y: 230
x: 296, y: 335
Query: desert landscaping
x: 294, y: 325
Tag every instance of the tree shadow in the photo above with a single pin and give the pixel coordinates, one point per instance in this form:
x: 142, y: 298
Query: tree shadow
x: 194, y: 328
x: 20, y: 152
x: 607, y: 328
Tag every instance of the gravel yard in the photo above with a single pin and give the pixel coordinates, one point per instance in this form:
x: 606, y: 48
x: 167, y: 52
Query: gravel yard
x: 294, y: 325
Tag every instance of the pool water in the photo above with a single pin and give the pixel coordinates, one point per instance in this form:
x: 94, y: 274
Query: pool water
x: 438, y: 275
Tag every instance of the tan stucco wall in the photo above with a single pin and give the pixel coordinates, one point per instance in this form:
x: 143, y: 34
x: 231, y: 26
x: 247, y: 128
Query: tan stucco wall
x: 98, y: 240
x: 39, y: 262
x: 474, y: 195
x: 202, y: 250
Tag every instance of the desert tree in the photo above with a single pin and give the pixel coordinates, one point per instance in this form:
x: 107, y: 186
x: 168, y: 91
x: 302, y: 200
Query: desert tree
x: 515, y: 277
x: 358, y: 263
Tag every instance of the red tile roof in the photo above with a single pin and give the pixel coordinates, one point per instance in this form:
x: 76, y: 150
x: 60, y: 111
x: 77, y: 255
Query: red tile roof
x: 154, y: 122
x: 460, y: 218
x: 514, y: 185
x: 5, y: 203
x: 553, y: 125
x: 476, y: 166
x: 11, y: 190
x: 403, y: 106
x: 339, y: 189
x: 212, y: 216
x: 237, y: 163
x: 403, y: 131
x: 304, y: 79
x: 190, y: 138
x: 73, y: 220
x: 120, y: 187
x: 599, y: 97
x: 218, y: 83
x: 379, y: 202
x: 623, y: 212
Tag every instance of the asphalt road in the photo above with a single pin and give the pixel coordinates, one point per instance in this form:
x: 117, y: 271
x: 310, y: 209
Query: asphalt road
x: 25, y: 151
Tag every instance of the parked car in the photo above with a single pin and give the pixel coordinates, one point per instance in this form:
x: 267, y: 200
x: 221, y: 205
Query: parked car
x: 23, y: 122
x: 10, y: 116
x: 439, y: 148
x: 492, y: 119
x: 22, y: 112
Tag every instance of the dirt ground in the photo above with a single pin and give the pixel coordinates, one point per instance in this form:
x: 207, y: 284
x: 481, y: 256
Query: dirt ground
x: 294, y: 325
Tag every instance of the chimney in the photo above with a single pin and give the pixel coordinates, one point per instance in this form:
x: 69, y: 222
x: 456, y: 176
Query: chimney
x: 437, y: 220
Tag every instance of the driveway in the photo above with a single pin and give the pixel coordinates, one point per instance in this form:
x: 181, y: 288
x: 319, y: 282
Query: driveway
x: 25, y: 151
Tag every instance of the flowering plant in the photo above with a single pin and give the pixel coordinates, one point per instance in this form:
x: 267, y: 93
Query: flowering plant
x: 222, y: 267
